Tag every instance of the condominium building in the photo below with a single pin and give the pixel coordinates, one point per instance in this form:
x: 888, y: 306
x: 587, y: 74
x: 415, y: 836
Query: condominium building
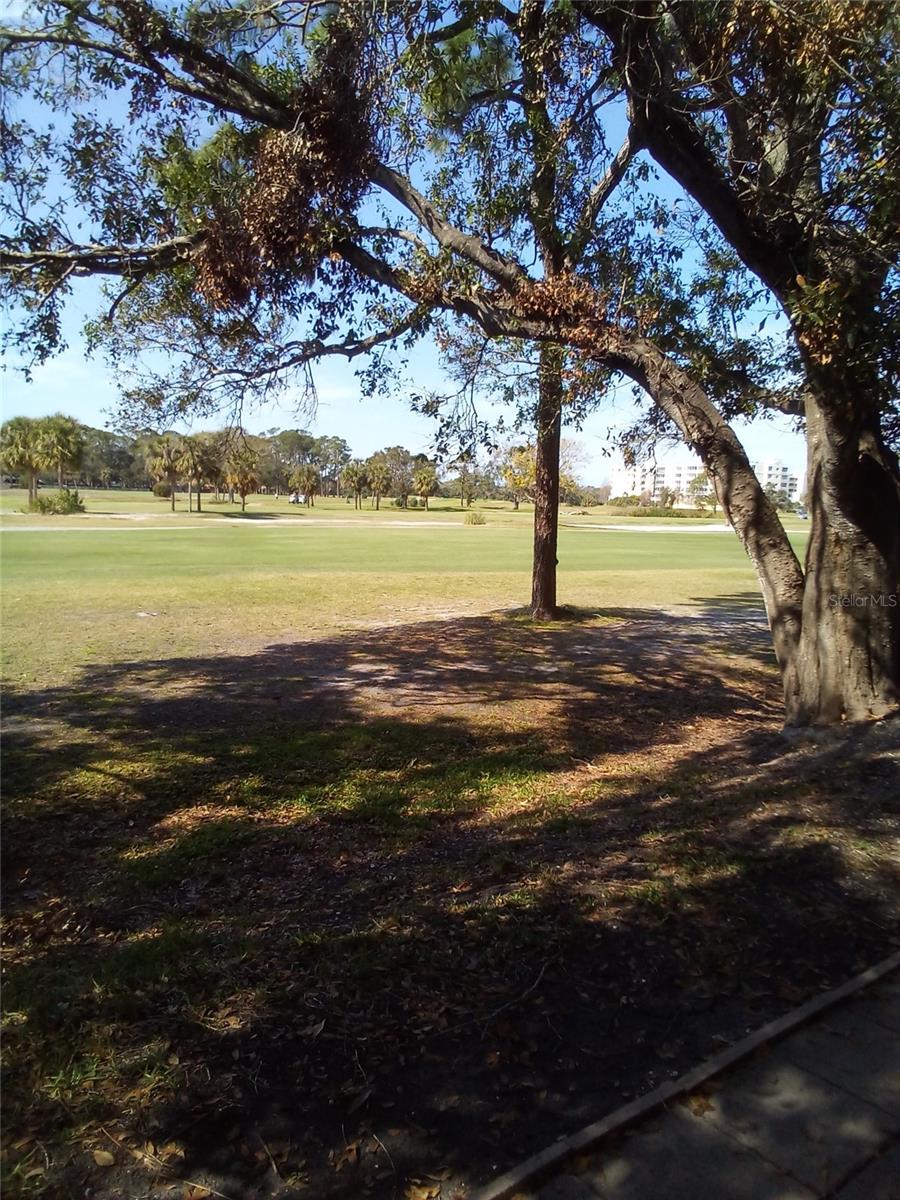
x: 773, y: 473
x: 653, y: 478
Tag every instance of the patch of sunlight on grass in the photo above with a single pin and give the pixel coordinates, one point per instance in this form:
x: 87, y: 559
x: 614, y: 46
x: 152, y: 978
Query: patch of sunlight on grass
x: 170, y: 860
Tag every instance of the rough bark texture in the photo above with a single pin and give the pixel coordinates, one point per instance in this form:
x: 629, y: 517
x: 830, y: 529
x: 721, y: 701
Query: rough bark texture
x: 848, y: 658
x: 546, y: 494
x: 846, y: 661
x: 747, y: 507
x: 836, y: 624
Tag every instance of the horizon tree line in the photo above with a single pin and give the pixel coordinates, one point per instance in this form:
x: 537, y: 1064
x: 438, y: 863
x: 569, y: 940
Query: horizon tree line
x: 69, y: 453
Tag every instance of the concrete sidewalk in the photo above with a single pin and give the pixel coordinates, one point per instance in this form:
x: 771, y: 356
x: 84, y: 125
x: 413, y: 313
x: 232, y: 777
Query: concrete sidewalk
x: 815, y: 1114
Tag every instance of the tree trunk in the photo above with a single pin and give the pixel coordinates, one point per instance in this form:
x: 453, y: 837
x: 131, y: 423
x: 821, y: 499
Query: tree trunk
x: 546, y: 500
x: 848, y: 657
x: 199, y: 490
x: 172, y: 494
x: 836, y: 625
x: 377, y: 502
x: 190, y: 496
x: 749, y: 511
x: 243, y: 502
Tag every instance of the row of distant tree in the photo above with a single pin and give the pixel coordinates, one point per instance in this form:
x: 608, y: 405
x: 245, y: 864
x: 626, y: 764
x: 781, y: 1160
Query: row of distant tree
x: 60, y: 449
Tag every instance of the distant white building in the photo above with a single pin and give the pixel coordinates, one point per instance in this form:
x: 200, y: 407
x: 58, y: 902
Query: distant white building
x: 678, y: 476
x: 654, y: 477
x: 772, y: 472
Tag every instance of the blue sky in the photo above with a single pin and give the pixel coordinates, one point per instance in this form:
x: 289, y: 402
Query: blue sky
x: 84, y: 388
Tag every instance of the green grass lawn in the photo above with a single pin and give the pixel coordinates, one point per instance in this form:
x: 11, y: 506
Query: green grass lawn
x: 321, y: 854
x: 87, y: 589
x: 114, y: 503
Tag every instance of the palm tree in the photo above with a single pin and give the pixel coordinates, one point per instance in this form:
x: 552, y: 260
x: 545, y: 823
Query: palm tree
x: 63, y: 440
x: 23, y: 450
x: 425, y: 482
x: 217, y: 450
x: 354, y: 479
x: 197, y: 464
x: 242, y: 472
x: 164, y: 461
x: 307, y: 480
x: 379, y: 479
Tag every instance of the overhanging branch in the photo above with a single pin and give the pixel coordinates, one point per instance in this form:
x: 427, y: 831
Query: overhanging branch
x: 599, y: 195
x: 312, y: 349
x: 129, y: 261
x: 503, y: 270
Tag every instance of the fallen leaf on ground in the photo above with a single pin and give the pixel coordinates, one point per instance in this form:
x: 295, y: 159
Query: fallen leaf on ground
x: 422, y: 1191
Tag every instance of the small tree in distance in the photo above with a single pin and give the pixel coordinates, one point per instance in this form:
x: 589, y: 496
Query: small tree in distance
x: 517, y: 470
x: 242, y: 472
x: 63, y: 444
x: 701, y: 493
x: 425, y: 482
x: 401, y: 465
x: 22, y: 450
x: 380, y: 481
x: 307, y: 480
x: 196, y: 465
x: 779, y: 498
x: 355, y: 480
x: 164, y: 462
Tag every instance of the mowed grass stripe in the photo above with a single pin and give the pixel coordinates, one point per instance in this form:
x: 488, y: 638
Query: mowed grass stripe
x: 213, y: 550
x: 70, y: 603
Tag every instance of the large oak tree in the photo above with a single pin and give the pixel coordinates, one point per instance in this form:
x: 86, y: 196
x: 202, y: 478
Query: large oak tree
x: 782, y: 121
x: 240, y: 240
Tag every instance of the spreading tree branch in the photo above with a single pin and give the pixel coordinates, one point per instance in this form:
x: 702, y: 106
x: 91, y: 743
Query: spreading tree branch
x: 599, y: 195
x: 505, y: 271
x: 129, y: 261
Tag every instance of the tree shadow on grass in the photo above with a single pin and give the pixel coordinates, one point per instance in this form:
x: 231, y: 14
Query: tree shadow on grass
x: 253, y: 516
x: 414, y: 901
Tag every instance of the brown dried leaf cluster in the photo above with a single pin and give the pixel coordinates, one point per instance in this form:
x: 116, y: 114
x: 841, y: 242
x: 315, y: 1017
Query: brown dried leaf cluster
x: 303, y: 180
x: 813, y: 34
x: 560, y: 297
